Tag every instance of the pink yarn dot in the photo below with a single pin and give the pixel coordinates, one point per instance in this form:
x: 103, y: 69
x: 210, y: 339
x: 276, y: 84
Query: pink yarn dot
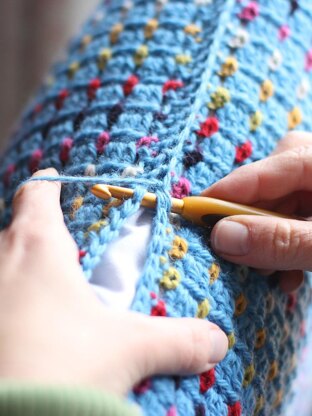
x: 172, y: 411
x: 146, y: 141
x: 181, y: 189
x: 250, y: 12
x: 308, y: 61
x: 284, y: 32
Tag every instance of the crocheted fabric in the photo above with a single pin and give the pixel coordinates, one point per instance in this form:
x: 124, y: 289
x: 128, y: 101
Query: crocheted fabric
x: 170, y: 96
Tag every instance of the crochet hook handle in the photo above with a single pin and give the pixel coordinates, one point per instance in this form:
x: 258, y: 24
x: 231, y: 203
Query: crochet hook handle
x: 200, y: 210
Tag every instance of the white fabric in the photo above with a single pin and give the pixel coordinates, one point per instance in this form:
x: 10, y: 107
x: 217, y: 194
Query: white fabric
x: 115, y: 277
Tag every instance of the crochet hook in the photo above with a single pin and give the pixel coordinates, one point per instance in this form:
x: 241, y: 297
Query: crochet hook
x: 200, y: 210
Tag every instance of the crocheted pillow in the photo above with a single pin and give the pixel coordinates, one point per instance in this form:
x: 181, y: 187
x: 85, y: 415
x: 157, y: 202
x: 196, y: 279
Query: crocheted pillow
x: 170, y: 96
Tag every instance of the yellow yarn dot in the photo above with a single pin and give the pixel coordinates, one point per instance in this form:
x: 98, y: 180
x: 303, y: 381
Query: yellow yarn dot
x: 150, y: 28
x: 242, y: 272
x: 260, y: 338
x: 293, y: 363
x: 273, y: 371
x: 203, y: 309
x: 259, y: 405
x: 266, y: 90
x: 278, y: 398
x: 219, y: 98
x: 85, y: 41
x: 115, y: 32
x: 256, y: 120
x: 113, y: 204
x: 248, y: 375
x: 162, y: 260
x: 72, y: 69
x: 294, y: 118
x: 168, y: 230
x: 179, y: 248
x: 286, y: 331
x: 270, y: 303
x: 192, y: 29
x: 171, y: 279
x: 232, y: 340
x: 240, y: 305
x: 104, y: 56
x: 140, y: 55
x: 49, y: 81
x: 97, y: 226
x: 229, y: 67
x: 214, y: 272
x: 183, y: 59
x: 77, y: 203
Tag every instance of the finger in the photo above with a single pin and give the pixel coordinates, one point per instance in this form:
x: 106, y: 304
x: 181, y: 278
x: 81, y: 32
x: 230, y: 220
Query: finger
x: 292, y: 140
x: 39, y: 201
x: 268, y: 179
x: 264, y: 242
x: 291, y: 280
x: 299, y: 203
x: 180, y: 346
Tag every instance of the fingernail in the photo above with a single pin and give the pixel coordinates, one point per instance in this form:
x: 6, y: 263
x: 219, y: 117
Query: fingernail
x: 230, y: 237
x: 219, y: 346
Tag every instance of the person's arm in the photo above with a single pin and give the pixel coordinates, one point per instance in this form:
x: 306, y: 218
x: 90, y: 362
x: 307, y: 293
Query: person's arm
x: 27, y: 399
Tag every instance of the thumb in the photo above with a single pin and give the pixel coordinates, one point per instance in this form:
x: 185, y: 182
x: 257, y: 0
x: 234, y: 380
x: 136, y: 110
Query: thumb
x: 179, y: 346
x: 39, y: 201
x: 264, y: 242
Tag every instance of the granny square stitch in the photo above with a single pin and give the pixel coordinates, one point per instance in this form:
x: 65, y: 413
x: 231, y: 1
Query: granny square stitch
x: 170, y: 96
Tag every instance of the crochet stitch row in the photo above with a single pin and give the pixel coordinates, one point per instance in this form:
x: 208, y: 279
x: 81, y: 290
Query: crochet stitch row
x: 170, y: 96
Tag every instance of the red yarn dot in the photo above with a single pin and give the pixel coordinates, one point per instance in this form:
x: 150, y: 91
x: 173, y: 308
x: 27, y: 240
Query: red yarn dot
x: 142, y: 387
x: 7, y: 175
x: 159, y: 309
x: 35, y: 160
x: 207, y: 380
x: 81, y: 255
x: 172, y: 85
x: 102, y: 142
x: 129, y: 85
x: 291, y: 302
x: 243, y: 152
x: 66, y: 147
x: 235, y: 409
x: 209, y: 127
x: 38, y: 108
x: 61, y: 98
x: 93, y: 86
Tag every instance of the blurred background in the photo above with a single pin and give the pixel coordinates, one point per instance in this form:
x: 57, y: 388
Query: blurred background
x: 33, y: 34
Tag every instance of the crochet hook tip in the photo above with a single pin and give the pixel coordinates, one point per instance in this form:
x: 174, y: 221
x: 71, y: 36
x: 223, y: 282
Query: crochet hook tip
x: 101, y: 191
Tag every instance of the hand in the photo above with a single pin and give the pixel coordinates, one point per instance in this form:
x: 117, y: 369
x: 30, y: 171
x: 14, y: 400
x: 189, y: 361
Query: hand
x: 281, y: 183
x: 53, y: 328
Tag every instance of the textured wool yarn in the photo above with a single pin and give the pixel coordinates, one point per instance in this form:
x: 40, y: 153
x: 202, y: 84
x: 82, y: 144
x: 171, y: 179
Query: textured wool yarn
x: 171, y: 96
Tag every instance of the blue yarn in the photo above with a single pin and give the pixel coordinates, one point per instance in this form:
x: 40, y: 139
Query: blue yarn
x: 256, y: 376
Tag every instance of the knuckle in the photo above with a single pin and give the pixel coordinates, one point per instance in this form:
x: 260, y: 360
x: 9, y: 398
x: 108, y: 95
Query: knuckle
x: 285, y: 242
x: 302, y: 150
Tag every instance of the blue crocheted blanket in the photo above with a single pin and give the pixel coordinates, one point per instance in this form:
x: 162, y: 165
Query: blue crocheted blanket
x: 170, y: 96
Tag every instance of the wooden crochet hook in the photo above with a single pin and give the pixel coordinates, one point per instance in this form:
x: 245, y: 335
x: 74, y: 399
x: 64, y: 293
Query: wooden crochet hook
x: 200, y: 210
